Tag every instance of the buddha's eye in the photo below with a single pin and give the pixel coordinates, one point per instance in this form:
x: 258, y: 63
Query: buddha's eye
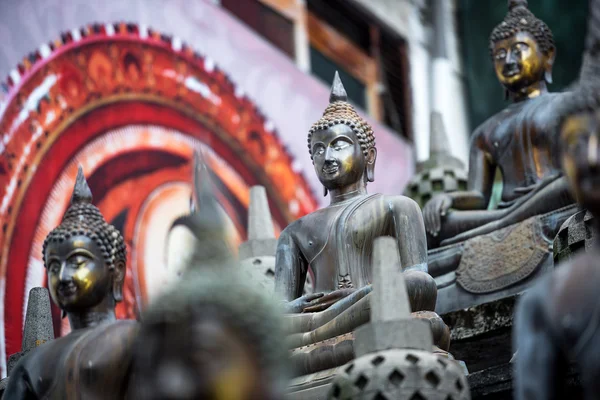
x: 340, y: 144
x: 500, y: 54
x: 78, y: 260
x: 54, y: 267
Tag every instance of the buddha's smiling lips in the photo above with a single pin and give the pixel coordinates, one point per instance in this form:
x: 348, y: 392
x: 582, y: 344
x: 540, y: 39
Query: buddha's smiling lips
x: 66, y: 291
x: 331, y: 169
x: 511, y: 72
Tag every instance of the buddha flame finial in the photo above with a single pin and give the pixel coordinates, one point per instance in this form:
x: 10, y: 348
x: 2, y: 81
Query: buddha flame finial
x: 513, y: 4
x: 81, y: 190
x: 338, y: 92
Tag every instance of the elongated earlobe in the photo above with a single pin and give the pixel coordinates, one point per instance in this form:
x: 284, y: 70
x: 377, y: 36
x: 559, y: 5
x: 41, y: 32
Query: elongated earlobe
x: 325, y: 191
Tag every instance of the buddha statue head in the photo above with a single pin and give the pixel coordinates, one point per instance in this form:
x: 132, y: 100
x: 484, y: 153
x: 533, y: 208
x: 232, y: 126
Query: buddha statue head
x: 522, y: 50
x: 85, y: 261
x: 579, y: 144
x: 342, y: 144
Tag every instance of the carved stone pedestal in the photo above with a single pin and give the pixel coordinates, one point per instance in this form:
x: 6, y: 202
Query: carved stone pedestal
x: 481, y: 337
x: 497, y: 265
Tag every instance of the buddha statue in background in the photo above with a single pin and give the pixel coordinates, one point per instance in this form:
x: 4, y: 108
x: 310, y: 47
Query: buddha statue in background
x: 337, y: 241
x: 556, y: 322
x: 85, y: 261
x: 516, y: 141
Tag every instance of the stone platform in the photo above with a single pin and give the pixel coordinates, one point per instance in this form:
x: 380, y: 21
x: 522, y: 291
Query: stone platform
x: 481, y: 337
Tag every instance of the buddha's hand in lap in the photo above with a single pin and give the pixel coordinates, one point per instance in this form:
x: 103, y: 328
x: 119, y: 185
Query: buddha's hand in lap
x: 434, y: 211
x: 301, y: 303
x: 329, y: 299
x: 314, y: 302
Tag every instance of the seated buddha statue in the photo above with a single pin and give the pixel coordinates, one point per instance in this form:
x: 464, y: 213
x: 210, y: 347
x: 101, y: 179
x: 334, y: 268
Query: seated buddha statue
x: 516, y: 141
x: 337, y: 241
x: 556, y: 322
x: 85, y: 261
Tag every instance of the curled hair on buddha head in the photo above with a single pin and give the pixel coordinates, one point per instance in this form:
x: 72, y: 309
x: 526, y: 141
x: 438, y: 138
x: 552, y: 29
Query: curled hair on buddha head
x: 209, y: 293
x: 520, y: 19
x: 339, y: 111
x: 83, y: 218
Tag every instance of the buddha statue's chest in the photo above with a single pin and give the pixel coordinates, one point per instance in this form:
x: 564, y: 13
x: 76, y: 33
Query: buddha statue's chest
x: 339, y: 247
x: 518, y: 133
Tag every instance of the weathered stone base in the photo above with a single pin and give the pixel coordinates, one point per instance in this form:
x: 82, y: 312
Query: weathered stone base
x: 481, y: 337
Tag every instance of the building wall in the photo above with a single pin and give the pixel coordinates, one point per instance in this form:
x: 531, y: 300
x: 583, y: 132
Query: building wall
x: 437, y: 83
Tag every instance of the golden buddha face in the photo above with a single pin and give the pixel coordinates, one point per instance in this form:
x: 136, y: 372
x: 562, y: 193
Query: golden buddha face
x: 338, y: 157
x: 203, y: 360
x: 77, y: 273
x: 580, y: 154
x: 519, y: 62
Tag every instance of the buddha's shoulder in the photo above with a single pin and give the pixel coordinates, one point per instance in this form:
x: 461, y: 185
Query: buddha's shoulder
x: 309, y: 221
x: 400, y: 202
x: 533, y: 110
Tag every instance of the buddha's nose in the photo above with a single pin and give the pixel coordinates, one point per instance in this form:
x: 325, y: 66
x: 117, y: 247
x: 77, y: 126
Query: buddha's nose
x: 329, y: 155
x: 63, y: 274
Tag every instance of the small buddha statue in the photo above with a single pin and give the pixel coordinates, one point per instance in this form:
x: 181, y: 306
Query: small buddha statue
x: 556, y: 322
x: 85, y: 262
x: 517, y: 141
x: 337, y: 241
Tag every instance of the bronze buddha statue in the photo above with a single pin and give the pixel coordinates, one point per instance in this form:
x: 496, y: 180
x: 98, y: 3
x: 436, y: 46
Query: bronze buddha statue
x: 556, y: 322
x: 516, y: 141
x: 85, y: 261
x: 337, y: 241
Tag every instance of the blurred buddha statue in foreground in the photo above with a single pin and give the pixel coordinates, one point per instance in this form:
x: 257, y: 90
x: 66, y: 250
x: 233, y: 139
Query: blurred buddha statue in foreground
x: 517, y: 141
x: 556, y: 322
x: 85, y: 260
x: 212, y: 335
x: 337, y: 241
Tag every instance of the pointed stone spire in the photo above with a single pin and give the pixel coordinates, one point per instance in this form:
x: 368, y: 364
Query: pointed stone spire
x: 81, y: 190
x: 438, y: 140
x: 338, y: 92
x: 210, y: 246
x: 261, y: 234
x: 38, y: 320
x: 260, y: 223
x: 391, y: 325
x: 389, y: 300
